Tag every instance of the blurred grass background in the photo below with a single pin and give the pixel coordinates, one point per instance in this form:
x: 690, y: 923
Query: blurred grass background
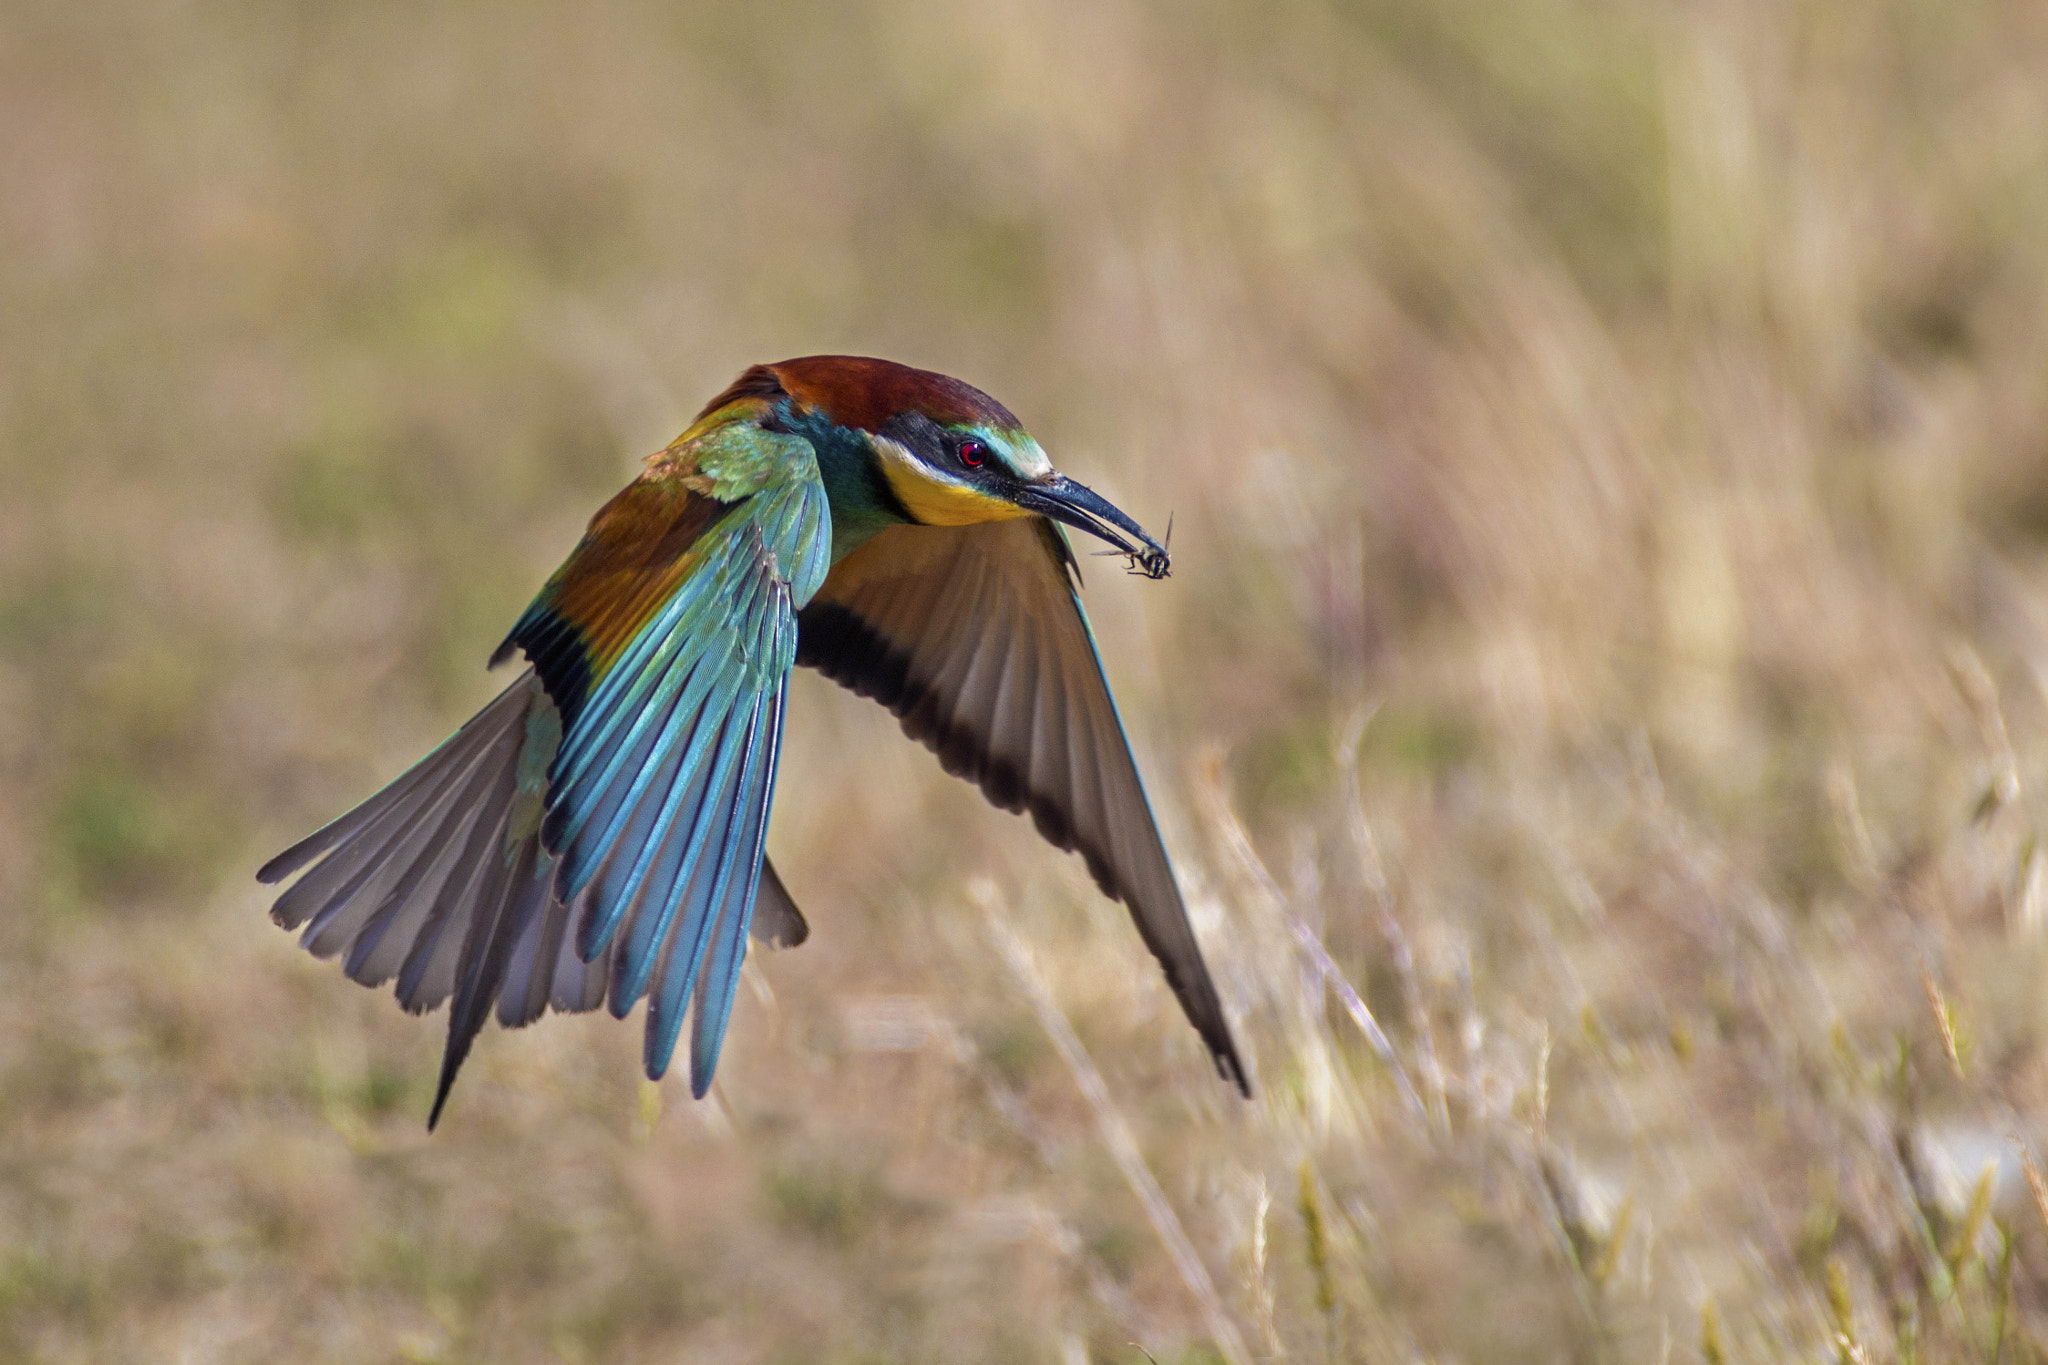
x: 1607, y: 444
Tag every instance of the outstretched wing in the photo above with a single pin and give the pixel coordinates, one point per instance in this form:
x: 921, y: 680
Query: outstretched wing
x: 594, y: 834
x: 669, y: 662
x: 975, y: 638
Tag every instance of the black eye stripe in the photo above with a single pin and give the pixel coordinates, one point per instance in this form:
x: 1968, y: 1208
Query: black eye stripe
x: 943, y: 449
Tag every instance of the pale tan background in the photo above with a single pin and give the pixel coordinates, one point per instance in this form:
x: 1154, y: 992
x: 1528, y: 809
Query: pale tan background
x: 1634, y: 416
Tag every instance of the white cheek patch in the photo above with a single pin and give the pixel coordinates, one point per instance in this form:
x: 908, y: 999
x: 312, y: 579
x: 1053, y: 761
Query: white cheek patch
x: 898, y: 461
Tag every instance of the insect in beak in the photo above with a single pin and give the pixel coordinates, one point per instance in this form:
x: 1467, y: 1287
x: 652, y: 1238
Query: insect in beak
x: 1066, y: 501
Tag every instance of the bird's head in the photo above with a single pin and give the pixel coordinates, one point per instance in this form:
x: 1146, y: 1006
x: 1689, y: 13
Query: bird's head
x: 936, y: 452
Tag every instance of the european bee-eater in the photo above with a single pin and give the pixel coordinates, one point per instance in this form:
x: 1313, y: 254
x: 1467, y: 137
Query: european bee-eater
x: 595, y: 834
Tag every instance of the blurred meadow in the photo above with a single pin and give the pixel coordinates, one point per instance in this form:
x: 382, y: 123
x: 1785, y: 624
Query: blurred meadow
x: 1607, y: 449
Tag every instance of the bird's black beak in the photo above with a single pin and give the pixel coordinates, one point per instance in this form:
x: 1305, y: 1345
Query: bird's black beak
x: 1064, y: 500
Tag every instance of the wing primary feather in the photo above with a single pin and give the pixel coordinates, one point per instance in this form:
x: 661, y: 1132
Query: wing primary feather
x: 710, y: 692
x: 593, y: 816
x: 736, y: 892
x: 975, y: 638
x: 675, y: 952
x: 620, y: 706
x: 620, y: 718
x: 651, y: 773
x: 711, y: 873
x: 643, y: 821
x: 1092, y: 782
x: 640, y: 702
x: 968, y: 750
x: 1006, y: 775
x: 588, y: 823
x: 666, y: 796
x: 674, y: 848
x: 629, y: 812
x: 1052, y: 809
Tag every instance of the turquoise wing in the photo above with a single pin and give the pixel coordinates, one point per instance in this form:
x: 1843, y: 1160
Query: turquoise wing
x: 671, y: 682
x: 594, y: 835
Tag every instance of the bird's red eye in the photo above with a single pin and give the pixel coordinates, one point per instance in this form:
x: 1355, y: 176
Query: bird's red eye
x: 972, y: 453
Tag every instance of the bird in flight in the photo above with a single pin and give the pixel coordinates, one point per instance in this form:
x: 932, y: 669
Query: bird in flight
x: 596, y: 833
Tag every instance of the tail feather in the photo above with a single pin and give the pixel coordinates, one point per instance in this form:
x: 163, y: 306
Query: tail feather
x: 510, y: 889
x: 470, y: 893
x: 777, y: 921
x: 530, y: 972
x: 545, y: 970
x: 579, y: 985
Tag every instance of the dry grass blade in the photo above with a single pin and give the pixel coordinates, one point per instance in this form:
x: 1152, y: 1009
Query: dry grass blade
x: 1944, y: 1021
x: 1116, y: 1136
x: 1375, y: 875
x: 1333, y: 976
